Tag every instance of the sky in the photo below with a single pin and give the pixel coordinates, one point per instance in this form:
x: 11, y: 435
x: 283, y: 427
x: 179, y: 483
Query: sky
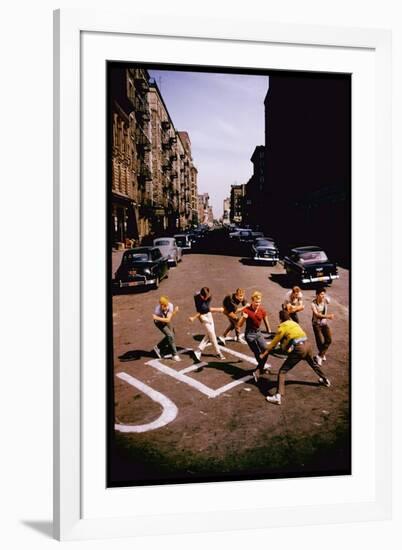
x: 224, y: 117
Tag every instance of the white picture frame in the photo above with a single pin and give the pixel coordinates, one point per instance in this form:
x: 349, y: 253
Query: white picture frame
x: 78, y: 488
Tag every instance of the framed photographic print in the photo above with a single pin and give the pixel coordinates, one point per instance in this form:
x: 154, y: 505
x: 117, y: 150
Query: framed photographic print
x: 218, y: 196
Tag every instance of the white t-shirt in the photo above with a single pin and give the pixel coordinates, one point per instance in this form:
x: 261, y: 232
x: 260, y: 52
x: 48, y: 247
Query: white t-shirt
x: 160, y: 313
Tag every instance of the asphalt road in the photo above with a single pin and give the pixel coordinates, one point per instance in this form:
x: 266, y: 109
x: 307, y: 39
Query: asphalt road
x: 213, y: 422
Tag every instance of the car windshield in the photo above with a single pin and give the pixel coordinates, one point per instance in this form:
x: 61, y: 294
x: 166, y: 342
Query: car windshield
x: 133, y: 257
x: 181, y: 239
x: 263, y: 242
x: 313, y: 256
x: 162, y: 243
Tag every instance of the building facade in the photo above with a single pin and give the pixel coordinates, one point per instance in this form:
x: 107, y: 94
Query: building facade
x: 254, y: 204
x: 131, y: 154
x: 153, y: 177
x: 237, y: 193
x: 226, y: 211
x: 308, y: 161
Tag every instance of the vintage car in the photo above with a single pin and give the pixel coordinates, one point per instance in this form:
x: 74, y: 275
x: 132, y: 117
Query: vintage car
x: 169, y: 249
x: 183, y: 241
x: 264, y: 250
x: 143, y: 266
x: 310, y: 264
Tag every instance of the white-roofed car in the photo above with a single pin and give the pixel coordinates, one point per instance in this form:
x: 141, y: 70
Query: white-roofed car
x: 169, y: 249
x: 183, y: 241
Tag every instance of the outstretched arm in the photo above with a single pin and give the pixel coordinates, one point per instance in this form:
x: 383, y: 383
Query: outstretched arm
x: 194, y: 317
x: 166, y: 319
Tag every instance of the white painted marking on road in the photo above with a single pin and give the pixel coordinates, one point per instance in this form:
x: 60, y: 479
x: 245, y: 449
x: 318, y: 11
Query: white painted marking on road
x: 240, y: 355
x: 232, y: 385
x: 169, y: 408
x: 156, y: 364
x: 206, y: 390
x: 192, y: 368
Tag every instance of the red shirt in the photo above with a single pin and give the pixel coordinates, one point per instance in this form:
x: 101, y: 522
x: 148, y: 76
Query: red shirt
x: 254, y: 318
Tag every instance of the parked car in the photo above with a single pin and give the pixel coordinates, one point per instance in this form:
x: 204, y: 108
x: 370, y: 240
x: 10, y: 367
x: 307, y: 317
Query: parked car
x: 143, y: 266
x: 183, y: 241
x: 264, y: 250
x: 236, y: 233
x: 310, y: 264
x: 169, y: 249
x: 257, y: 234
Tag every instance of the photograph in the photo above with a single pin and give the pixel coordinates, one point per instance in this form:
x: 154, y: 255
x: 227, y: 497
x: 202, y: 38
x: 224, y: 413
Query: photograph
x: 228, y: 274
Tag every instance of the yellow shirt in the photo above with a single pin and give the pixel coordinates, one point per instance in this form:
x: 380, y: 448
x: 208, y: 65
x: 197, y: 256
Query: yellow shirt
x: 287, y: 331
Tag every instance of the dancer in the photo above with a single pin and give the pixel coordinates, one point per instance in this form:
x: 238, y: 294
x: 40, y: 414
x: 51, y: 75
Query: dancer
x: 204, y: 310
x: 293, y: 303
x: 233, y: 304
x: 322, y: 331
x: 294, y: 341
x: 162, y: 317
x: 253, y: 315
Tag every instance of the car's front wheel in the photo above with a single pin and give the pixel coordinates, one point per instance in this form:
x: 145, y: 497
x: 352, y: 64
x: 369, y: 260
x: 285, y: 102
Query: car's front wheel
x: 157, y: 282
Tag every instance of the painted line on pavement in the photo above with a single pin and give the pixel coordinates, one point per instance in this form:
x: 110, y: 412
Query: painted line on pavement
x: 156, y: 364
x: 169, y: 412
x: 240, y: 355
x: 192, y: 368
x: 206, y: 390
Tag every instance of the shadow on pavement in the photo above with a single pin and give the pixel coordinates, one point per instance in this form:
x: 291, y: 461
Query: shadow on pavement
x: 136, y: 354
x: 281, y: 279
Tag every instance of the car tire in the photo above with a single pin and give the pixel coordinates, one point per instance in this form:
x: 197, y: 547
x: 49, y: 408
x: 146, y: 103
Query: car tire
x: 274, y: 263
x: 157, y: 282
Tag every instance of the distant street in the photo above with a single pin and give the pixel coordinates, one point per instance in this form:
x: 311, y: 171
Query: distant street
x: 213, y: 419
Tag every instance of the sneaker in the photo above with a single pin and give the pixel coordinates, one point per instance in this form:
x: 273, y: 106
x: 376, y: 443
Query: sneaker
x: 157, y: 352
x: 324, y: 358
x: 241, y: 339
x: 318, y: 360
x: 267, y: 367
x: 221, y: 340
x: 176, y: 358
x: 197, y: 354
x: 325, y: 382
x: 255, y: 376
x: 275, y: 399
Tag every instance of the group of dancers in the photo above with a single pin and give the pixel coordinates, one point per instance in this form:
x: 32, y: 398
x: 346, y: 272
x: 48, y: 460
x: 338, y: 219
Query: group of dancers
x: 290, y: 336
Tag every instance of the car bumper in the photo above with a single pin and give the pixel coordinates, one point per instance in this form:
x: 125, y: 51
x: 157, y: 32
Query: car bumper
x: 265, y: 259
x: 323, y: 279
x: 126, y: 284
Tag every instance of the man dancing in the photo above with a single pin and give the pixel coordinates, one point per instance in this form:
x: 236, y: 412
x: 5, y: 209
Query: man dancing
x: 293, y: 340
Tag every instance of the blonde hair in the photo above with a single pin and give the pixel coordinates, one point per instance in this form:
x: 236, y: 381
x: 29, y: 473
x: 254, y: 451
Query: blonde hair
x: 256, y: 294
x: 164, y: 301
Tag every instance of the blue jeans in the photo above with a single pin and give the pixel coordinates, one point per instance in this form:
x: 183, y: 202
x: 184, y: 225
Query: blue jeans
x: 168, y: 340
x: 256, y: 342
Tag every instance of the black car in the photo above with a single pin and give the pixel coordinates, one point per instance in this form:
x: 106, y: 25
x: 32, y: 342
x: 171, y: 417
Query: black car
x: 310, y: 264
x: 264, y: 250
x: 144, y: 266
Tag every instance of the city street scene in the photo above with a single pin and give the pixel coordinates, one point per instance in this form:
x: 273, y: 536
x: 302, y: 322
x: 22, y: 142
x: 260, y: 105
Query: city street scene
x: 229, y: 274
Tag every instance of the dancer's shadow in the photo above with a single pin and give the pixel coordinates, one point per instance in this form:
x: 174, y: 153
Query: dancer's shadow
x: 136, y: 354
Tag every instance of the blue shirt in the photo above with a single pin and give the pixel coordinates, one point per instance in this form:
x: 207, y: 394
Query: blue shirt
x: 202, y: 306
